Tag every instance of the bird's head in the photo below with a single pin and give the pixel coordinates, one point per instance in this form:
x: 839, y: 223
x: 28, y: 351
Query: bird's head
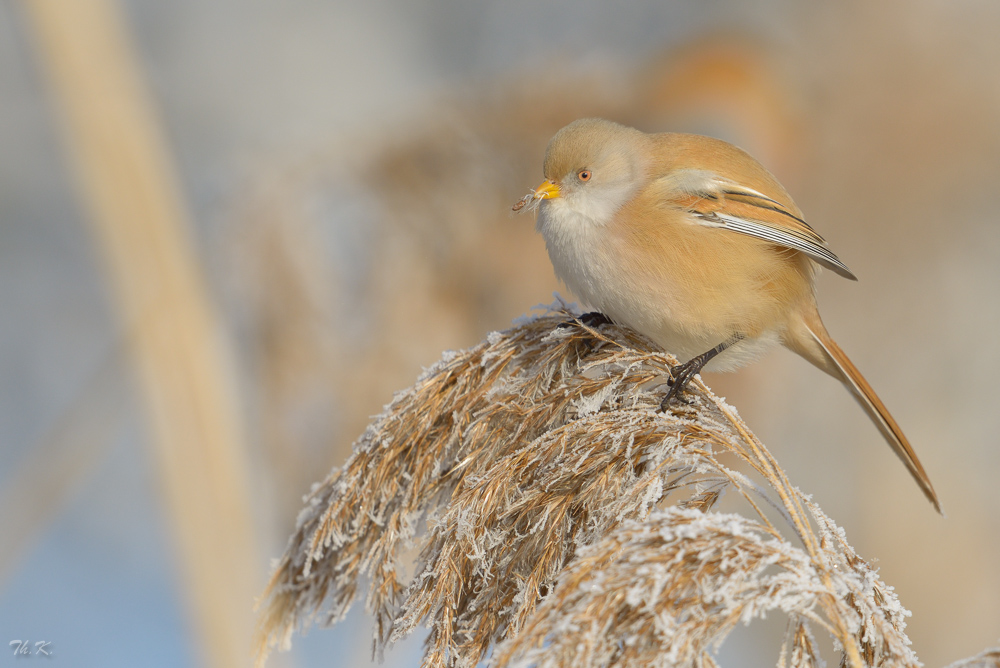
x: 593, y: 167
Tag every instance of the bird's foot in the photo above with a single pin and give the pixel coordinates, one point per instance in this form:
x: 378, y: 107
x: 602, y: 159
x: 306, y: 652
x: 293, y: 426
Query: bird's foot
x: 587, y: 322
x: 681, y: 376
x: 683, y: 373
x: 593, y: 319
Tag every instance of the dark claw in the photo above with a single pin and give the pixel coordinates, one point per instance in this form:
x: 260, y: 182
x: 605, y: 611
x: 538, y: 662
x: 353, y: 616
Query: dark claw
x: 592, y: 319
x: 682, y: 375
x: 595, y: 319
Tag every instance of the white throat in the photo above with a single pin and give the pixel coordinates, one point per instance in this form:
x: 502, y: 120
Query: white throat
x: 575, y: 237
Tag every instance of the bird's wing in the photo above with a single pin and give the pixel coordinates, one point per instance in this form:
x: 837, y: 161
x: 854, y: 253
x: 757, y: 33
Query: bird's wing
x: 719, y: 202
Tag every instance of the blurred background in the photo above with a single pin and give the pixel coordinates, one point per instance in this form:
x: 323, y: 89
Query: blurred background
x: 230, y: 230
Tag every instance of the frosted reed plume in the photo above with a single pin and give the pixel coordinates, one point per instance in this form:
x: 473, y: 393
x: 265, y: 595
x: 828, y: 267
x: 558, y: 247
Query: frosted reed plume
x: 562, y: 519
x: 987, y: 659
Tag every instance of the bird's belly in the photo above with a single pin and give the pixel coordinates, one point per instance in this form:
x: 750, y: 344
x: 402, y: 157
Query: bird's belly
x: 677, y: 317
x: 682, y: 328
x: 684, y: 305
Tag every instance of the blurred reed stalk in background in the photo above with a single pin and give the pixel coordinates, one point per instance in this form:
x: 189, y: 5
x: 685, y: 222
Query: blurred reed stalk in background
x: 126, y: 178
x: 569, y: 522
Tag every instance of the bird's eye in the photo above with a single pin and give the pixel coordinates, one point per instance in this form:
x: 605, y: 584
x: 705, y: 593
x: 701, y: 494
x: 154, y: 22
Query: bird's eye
x: 583, y: 175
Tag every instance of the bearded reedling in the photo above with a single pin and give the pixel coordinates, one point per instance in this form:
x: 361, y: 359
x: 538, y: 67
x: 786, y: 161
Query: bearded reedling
x: 691, y: 242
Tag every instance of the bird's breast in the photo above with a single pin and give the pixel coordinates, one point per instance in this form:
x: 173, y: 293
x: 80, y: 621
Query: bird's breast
x: 595, y: 263
x: 578, y: 250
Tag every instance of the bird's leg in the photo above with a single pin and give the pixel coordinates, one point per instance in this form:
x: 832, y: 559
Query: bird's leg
x: 683, y: 373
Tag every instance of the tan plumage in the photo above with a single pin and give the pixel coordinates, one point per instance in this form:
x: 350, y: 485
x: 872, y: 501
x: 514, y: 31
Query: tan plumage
x: 691, y: 242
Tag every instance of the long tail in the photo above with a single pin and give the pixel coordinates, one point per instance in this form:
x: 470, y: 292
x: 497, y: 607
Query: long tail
x: 827, y: 355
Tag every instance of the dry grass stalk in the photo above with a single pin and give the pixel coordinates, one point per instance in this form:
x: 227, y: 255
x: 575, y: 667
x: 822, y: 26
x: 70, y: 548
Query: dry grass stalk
x: 538, y: 460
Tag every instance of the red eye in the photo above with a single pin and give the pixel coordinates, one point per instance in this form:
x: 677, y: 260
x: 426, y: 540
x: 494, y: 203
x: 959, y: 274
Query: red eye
x: 583, y: 175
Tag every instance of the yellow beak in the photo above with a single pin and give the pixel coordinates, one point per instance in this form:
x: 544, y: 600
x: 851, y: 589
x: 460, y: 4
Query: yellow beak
x: 547, y: 190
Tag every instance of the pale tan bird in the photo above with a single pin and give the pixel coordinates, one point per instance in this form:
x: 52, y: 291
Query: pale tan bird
x: 691, y: 242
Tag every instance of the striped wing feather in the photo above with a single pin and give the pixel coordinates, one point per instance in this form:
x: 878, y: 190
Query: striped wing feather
x: 718, y: 202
